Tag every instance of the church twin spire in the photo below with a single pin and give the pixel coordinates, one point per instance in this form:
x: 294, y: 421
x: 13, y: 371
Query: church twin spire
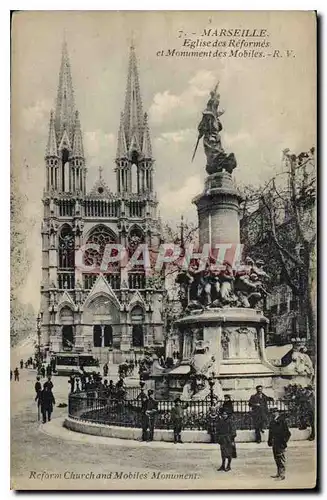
x: 65, y: 151
x: 134, y: 135
x: 64, y: 127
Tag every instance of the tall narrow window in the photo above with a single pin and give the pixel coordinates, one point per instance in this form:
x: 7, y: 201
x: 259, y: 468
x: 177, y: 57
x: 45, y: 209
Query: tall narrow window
x: 65, y: 168
x: 66, y: 248
x: 137, y: 318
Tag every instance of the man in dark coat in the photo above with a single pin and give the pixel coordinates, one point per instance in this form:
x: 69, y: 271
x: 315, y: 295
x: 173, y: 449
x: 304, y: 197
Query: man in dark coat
x: 228, y: 404
x: 37, y: 386
x: 38, y: 390
x: 177, y: 420
x: 259, y: 405
x: 46, y: 400
x: 226, y: 434
x: 278, y: 438
x: 149, y: 410
x: 49, y: 383
x: 16, y: 373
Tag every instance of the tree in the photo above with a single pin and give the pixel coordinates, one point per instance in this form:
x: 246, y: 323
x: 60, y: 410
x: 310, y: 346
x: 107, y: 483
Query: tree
x: 181, y: 236
x: 22, y: 316
x: 284, y: 225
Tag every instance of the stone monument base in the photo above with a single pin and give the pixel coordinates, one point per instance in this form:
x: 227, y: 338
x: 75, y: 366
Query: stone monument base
x: 228, y: 346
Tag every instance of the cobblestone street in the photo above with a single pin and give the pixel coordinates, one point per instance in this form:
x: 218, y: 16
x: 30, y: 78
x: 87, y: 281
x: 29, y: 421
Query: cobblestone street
x: 36, y: 455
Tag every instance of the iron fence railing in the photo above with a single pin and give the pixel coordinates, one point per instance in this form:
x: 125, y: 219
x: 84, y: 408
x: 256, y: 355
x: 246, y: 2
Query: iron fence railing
x: 91, y: 406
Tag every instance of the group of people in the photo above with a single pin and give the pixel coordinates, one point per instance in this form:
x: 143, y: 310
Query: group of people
x: 95, y: 386
x: 44, y: 398
x: 221, y: 420
x: 125, y: 369
x: 222, y: 428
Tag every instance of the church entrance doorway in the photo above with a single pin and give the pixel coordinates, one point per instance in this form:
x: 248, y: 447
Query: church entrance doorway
x: 102, y: 336
x: 137, y: 336
x: 67, y: 337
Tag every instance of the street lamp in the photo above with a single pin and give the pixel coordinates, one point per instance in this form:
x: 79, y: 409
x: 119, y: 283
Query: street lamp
x: 211, y: 384
x: 38, y: 331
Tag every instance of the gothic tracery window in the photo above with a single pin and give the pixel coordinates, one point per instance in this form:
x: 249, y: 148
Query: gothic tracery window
x: 101, y: 236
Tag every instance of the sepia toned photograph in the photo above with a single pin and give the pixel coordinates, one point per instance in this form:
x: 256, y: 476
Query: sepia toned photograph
x: 163, y: 296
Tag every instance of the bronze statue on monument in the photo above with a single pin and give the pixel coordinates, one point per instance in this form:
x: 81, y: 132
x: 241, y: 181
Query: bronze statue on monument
x: 209, y: 128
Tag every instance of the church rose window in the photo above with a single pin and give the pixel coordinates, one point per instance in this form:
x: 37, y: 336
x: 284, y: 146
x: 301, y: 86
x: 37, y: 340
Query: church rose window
x: 102, y: 237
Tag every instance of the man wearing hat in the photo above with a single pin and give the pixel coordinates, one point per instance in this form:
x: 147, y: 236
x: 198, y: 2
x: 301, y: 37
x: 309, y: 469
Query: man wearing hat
x: 278, y: 438
x: 149, y: 410
x: 226, y: 434
x: 177, y: 420
x: 259, y: 405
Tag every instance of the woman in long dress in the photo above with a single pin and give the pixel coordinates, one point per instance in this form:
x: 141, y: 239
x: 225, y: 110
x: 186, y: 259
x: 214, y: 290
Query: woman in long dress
x: 226, y: 434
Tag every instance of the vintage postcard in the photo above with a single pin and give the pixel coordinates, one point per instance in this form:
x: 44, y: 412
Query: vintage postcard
x: 163, y: 250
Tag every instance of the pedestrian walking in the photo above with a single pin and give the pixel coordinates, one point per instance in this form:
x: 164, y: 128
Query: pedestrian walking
x: 21, y: 364
x: 37, y: 386
x: 259, y: 405
x: 10, y: 375
x: 16, y: 374
x: 49, y: 383
x: 278, y: 438
x: 226, y: 434
x: 149, y: 411
x: 42, y: 371
x: 47, y: 401
x: 38, y: 390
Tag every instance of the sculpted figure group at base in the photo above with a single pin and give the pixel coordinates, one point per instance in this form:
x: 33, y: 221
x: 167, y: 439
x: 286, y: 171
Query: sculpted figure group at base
x: 209, y: 128
x: 225, y: 288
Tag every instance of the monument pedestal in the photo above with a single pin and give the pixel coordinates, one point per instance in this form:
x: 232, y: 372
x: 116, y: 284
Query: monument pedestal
x: 218, y: 210
x: 228, y: 342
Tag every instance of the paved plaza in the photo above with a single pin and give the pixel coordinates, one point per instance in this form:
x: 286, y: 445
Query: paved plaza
x: 47, y: 456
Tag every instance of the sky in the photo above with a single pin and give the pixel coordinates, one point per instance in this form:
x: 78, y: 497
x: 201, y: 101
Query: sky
x: 270, y: 104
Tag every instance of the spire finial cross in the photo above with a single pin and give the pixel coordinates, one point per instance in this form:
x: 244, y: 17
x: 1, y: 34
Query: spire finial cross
x: 100, y: 172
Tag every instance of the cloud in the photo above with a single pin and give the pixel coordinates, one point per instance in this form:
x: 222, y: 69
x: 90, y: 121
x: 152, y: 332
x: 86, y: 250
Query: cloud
x: 178, y: 136
x: 179, y: 200
x: 98, y: 143
x: 165, y: 103
x: 241, y: 137
x: 36, y: 115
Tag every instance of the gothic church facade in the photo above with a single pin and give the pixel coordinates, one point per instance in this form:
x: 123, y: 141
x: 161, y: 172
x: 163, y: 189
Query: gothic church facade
x: 114, y: 313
